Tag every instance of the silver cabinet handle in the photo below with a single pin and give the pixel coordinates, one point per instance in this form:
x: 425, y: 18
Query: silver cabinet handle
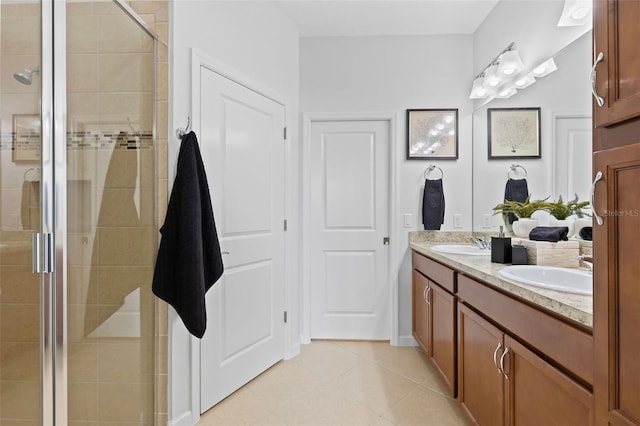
x: 495, y: 357
x: 424, y: 293
x: 428, y: 295
x: 593, y: 197
x: 504, y: 354
x: 592, y: 78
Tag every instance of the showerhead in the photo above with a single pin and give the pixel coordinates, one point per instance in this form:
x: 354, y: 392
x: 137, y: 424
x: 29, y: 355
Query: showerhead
x: 24, y: 75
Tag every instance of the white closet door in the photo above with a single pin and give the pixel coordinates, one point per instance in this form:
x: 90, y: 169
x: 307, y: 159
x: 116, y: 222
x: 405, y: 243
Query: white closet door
x: 349, y: 263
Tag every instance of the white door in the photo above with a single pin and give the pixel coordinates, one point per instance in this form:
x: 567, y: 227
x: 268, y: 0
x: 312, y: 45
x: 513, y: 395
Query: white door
x: 349, y: 283
x: 242, y: 142
x: 573, y: 157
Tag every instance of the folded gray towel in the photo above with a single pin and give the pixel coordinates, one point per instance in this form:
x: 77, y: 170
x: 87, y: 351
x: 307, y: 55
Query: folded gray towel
x: 549, y: 233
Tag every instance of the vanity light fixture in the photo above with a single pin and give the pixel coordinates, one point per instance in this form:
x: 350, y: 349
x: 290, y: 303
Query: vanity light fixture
x: 503, y: 77
x: 545, y: 68
x: 576, y: 13
x: 510, y: 63
x: 525, y: 81
x: 497, y: 74
x: 506, y: 93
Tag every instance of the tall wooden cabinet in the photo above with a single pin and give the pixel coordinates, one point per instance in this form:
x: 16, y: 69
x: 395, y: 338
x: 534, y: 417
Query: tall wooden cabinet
x: 617, y: 200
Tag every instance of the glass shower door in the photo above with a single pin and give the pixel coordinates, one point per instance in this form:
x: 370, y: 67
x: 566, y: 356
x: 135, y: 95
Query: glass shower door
x: 21, y: 291
x: 76, y: 171
x: 110, y: 232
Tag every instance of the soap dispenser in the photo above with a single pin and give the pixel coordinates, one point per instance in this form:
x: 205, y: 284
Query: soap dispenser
x: 501, y: 248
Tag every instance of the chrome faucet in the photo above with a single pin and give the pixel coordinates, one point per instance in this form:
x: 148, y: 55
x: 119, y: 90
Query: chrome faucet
x: 480, y: 242
x: 587, y: 261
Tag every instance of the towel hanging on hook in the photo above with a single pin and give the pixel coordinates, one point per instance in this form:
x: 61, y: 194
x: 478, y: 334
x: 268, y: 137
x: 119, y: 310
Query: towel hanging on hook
x: 430, y: 169
x: 433, y: 203
x: 180, y: 132
x: 34, y: 177
x: 513, y: 168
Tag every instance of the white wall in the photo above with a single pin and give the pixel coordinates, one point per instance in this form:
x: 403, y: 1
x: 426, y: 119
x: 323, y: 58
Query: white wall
x: 567, y: 90
x: 392, y: 74
x: 259, y: 42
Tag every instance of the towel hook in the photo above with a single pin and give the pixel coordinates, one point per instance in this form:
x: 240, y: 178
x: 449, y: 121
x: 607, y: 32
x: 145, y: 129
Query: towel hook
x: 513, y: 167
x: 181, y: 132
x: 431, y: 168
x: 32, y: 169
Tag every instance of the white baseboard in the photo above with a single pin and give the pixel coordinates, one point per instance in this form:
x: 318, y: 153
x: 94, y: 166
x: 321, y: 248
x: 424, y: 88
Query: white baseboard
x: 407, y: 340
x: 186, y: 419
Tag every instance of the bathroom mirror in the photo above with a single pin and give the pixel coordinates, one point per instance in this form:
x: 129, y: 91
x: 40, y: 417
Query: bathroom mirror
x: 564, y: 166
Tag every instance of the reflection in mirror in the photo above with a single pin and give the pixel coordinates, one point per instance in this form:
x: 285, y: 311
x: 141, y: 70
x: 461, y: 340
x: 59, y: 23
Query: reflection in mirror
x: 564, y: 166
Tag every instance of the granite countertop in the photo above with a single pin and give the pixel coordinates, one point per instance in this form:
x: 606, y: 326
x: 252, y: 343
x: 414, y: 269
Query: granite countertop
x: 577, y: 308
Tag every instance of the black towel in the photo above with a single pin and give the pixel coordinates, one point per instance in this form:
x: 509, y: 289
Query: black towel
x: 586, y: 233
x: 189, y: 260
x: 515, y: 190
x: 549, y: 233
x: 433, y: 204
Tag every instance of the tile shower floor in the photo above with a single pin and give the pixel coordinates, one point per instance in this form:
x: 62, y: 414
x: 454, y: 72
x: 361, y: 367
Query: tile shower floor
x: 342, y: 383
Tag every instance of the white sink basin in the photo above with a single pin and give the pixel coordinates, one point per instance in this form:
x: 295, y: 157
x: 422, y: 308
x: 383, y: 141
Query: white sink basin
x: 460, y: 249
x: 553, y: 278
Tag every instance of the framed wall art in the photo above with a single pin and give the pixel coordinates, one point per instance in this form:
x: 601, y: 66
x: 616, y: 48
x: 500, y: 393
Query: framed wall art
x: 513, y: 132
x: 432, y: 134
x: 26, y: 138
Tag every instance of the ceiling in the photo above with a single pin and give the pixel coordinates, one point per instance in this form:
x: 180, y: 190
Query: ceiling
x: 321, y: 18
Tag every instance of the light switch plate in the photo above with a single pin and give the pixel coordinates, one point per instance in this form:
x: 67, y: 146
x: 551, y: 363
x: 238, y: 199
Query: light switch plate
x: 457, y: 220
x: 408, y: 220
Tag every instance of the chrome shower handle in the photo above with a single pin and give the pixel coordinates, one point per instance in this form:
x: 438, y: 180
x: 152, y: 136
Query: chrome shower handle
x: 592, y: 78
x: 593, y: 197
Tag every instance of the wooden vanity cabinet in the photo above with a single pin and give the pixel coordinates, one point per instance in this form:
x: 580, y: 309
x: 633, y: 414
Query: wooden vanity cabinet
x: 421, y: 321
x: 509, y: 362
x: 480, y: 384
x: 501, y: 382
x: 616, y: 248
x: 434, y: 317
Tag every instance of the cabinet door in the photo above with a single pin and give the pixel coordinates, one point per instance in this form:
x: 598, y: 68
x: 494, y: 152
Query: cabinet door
x: 538, y: 394
x: 443, y: 322
x: 616, y: 35
x: 616, y: 289
x: 481, y: 385
x: 421, y: 320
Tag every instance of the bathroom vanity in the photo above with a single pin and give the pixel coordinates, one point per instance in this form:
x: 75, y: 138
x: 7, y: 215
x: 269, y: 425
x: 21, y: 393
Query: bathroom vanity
x: 511, y: 354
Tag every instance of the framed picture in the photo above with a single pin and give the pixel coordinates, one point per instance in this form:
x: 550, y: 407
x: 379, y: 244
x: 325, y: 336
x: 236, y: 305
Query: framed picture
x: 26, y: 137
x: 513, y: 132
x: 432, y: 134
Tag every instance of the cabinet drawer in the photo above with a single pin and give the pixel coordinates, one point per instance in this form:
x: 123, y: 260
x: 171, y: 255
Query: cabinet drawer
x: 568, y: 346
x: 440, y: 274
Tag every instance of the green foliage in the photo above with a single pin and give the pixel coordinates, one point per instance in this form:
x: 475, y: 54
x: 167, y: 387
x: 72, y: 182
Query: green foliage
x: 561, y: 210
x: 522, y: 209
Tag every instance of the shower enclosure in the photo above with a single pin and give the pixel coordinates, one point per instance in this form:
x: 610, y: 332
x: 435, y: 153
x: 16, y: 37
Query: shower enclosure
x: 77, y: 213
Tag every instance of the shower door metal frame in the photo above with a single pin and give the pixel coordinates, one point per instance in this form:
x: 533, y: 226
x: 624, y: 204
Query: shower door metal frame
x: 50, y: 243
x: 44, y: 254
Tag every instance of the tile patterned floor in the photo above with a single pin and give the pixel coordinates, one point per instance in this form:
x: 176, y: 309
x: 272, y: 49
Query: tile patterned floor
x: 342, y: 383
